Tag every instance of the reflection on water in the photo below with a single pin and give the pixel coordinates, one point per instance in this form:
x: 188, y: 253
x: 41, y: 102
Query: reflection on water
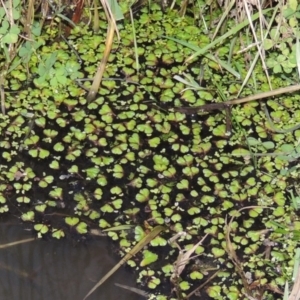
x: 59, y: 270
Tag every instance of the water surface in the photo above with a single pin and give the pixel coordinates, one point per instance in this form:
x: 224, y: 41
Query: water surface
x: 59, y: 270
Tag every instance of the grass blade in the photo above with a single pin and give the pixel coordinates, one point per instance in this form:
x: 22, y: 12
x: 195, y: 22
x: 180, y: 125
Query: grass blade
x: 138, y: 247
x: 16, y: 243
x: 295, y: 293
x: 234, y: 30
x: 132, y: 289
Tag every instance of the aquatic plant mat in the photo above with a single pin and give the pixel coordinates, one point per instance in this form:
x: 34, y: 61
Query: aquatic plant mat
x: 223, y: 181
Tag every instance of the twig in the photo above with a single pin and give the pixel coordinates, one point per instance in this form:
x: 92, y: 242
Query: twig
x: 226, y: 104
x: 203, y: 284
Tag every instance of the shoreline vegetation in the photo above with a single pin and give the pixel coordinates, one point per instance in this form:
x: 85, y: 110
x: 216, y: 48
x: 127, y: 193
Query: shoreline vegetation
x: 171, y: 128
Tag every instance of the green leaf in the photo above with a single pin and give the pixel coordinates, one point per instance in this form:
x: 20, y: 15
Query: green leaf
x: 23, y: 199
x: 116, y: 190
x: 50, y: 133
x: 41, y: 122
x: 98, y: 193
x: 117, y: 203
x: 103, y: 223
x: 54, y: 165
x: 148, y: 258
x: 41, y: 228
x: 107, y: 208
x: 158, y: 241
x: 72, y: 221
x: 40, y: 208
x: 184, y: 285
x: 57, y: 233
x: 102, y: 181
x: 32, y: 140
x: 2, y: 199
x: 80, y: 135
x: 154, y: 142
x: 218, y: 252
x: 118, y: 171
x: 169, y: 172
x: 59, y: 147
x: 92, y: 172
x: 143, y: 195
x: 268, y: 145
x: 4, y: 25
x: 94, y: 215
x: 195, y: 275
x: 139, y: 233
x: 29, y: 216
x: 288, y: 12
x: 61, y: 122
x: 193, y: 210
x: 43, y: 153
x: 183, y: 184
x: 46, y: 181
x: 81, y: 228
x: 56, y: 193
x: 116, y: 9
x: 220, y: 130
x: 12, y: 36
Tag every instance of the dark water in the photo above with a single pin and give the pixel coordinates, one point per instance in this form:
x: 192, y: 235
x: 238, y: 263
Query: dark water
x: 59, y: 270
